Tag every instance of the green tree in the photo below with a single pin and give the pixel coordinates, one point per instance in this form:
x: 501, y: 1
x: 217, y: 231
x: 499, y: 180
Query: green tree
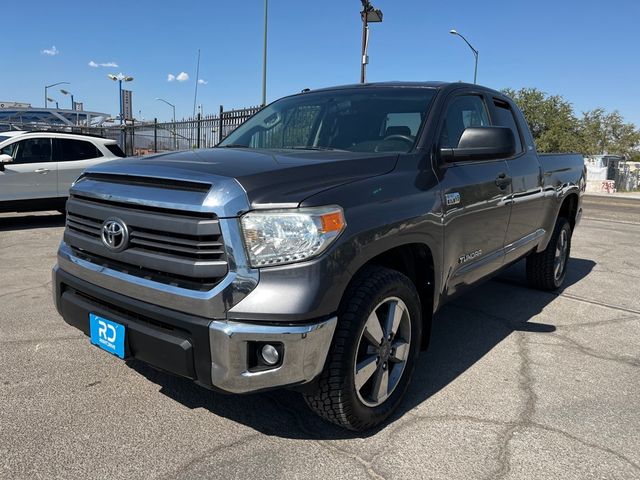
x: 604, y: 132
x: 553, y: 124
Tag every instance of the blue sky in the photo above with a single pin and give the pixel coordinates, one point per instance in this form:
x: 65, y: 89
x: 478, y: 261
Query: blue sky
x: 587, y: 51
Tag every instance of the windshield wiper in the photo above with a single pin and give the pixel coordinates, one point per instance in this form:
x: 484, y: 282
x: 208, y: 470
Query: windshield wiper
x: 234, y: 145
x: 300, y: 147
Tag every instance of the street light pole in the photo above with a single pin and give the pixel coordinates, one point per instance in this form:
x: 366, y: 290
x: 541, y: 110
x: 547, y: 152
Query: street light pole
x: 373, y: 15
x: 67, y: 92
x: 120, y: 78
x: 475, y: 53
x: 175, y: 136
x: 264, y: 55
x: 120, y: 96
x: 47, y: 87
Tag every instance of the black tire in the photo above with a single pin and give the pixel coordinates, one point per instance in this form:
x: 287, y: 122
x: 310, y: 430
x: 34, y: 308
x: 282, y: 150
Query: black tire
x: 542, y: 267
x: 336, y: 398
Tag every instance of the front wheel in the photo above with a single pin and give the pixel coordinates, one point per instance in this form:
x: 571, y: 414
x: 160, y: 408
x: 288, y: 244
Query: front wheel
x: 546, y: 270
x: 374, y: 351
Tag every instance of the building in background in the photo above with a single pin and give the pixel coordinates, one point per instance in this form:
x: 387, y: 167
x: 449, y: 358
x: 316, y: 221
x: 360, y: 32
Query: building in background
x: 611, y: 173
x: 23, y: 115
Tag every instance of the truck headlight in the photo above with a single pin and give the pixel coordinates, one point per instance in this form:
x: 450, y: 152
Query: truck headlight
x: 277, y: 237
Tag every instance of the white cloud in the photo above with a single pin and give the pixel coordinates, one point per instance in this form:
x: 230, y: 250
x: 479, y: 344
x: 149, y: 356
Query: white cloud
x: 50, y: 51
x: 181, y: 77
x: 106, y: 64
x: 202, y: 82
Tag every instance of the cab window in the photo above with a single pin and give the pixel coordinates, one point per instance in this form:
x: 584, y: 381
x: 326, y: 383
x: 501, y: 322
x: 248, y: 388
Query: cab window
x: 503, y: 117
x: 463, y: 112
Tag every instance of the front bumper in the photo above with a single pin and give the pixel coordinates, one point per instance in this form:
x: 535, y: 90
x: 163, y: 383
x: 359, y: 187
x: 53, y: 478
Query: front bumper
x: 214, y: 353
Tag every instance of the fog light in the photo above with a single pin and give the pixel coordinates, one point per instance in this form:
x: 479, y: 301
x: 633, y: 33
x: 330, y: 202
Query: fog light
x: 270, y: 354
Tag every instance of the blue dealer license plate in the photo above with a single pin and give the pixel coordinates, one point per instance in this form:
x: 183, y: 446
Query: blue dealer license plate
x: 107, y: 334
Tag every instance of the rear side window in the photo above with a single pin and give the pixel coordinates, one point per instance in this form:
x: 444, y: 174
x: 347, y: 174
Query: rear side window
x: 463, y: 112
x: 116, y: 150
x: 70, y: 150
x: 504, y: 118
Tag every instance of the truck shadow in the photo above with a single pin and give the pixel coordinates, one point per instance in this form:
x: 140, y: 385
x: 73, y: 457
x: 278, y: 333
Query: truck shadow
x: 29, y: 222
x: 464, y: 331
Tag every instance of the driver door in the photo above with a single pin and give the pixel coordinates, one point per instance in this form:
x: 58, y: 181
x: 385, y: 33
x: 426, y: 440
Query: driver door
x: 32, y: 174
x: 475, y: 200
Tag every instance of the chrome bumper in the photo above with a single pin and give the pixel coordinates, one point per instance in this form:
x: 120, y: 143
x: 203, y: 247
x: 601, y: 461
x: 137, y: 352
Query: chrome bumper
x: 305, y: 351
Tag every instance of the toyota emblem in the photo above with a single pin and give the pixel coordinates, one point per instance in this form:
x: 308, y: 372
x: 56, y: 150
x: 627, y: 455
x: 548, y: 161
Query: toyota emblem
x: 115, y: 235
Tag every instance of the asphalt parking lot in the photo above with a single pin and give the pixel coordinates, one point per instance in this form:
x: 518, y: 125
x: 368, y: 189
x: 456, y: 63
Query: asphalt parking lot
x: 517, y: 384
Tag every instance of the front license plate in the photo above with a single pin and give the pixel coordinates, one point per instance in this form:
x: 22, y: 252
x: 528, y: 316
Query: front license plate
x: 107, y: 334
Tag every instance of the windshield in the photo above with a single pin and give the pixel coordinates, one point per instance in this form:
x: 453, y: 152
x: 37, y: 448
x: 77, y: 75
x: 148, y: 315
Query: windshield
x: 379, y: 119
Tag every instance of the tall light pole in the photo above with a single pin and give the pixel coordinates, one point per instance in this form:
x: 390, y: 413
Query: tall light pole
x: 175, y: 137
x: 475, y: 53
x: 369, y: 15
x: 120, y: 78
x: 264, y: 54
x: 46, y: 87
x: 67, y: 92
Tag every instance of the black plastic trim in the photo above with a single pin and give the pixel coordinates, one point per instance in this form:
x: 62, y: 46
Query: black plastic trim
x: 167, y: 339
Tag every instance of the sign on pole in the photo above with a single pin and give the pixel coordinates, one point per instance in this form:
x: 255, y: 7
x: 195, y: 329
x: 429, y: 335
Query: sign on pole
x: 78, y: 106
x: 127, y: 105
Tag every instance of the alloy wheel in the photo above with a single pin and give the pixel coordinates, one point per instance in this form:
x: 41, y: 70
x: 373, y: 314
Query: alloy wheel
x: 383, y: 349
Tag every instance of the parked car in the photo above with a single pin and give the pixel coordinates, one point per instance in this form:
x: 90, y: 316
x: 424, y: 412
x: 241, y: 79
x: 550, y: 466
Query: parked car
x: 312, y: 247
x: 37, y: 168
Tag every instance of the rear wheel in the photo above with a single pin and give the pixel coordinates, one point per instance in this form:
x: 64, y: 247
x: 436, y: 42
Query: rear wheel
x: 546, y: 270
x: 374, y: 351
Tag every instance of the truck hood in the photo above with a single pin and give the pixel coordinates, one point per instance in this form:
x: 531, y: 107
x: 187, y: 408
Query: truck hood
x: 267, y: 176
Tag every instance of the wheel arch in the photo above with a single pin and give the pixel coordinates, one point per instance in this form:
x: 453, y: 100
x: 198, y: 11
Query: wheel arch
x: 416, y: 261
x: 569, y: 209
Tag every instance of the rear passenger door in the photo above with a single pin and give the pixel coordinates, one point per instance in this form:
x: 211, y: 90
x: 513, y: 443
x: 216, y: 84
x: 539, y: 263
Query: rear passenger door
x: 475, y: 199
x: 526, y: 183
x: 32, y: 174
x: 73, y: 157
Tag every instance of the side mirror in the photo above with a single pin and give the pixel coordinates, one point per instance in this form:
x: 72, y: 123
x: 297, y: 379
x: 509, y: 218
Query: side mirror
x: 482, y: 143
x: 4, y: 158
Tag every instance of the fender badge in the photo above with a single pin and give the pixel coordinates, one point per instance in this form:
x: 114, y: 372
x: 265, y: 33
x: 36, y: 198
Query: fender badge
x: 452, y: 198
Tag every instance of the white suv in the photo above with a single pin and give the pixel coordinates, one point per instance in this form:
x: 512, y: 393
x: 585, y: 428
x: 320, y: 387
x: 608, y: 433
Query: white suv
x: 37, y: 168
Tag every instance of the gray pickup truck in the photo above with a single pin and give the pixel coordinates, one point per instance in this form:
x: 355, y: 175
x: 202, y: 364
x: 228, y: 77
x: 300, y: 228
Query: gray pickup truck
x: 312, y: 247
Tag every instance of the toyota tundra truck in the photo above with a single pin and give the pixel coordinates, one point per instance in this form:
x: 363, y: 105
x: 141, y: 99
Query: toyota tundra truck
x: 311, y: 248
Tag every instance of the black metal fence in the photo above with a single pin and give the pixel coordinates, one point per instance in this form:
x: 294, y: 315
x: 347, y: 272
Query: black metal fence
x: 198, y: 132
x: 141, y: 138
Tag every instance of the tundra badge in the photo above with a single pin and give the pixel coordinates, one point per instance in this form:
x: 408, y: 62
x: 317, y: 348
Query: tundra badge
x: 469, y: 256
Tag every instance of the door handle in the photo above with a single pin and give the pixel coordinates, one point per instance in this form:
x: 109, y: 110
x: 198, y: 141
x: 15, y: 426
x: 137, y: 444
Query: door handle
x: 43, y: 171
x: 503, y: 181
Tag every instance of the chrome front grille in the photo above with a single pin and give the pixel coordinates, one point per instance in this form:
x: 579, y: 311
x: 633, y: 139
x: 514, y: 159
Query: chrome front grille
x: 167, y: 245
